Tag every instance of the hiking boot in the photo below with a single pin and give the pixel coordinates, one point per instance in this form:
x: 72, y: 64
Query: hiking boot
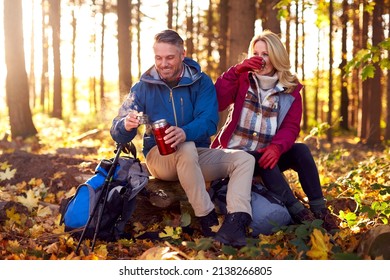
x: 305, y: 215
x: 234, y: 229
x: 206, y: 222
x: 331, y: 221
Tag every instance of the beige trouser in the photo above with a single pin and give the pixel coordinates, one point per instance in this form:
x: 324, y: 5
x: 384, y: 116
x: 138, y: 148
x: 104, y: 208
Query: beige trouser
x: 194, y: 166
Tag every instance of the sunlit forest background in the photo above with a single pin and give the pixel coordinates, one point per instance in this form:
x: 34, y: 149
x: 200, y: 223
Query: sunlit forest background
x: 74, y: 58
x: 66, y: 66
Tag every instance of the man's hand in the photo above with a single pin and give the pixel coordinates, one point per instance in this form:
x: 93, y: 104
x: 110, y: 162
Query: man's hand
x: 250, y: 64
x: 131, y: 120
x: 174, y: 136
x: 270, y: 157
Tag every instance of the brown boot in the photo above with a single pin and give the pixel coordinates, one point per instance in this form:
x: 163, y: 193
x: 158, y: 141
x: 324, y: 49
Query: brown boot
x: 207, y: 222
x: 331, y: 221
x: 305, y: 215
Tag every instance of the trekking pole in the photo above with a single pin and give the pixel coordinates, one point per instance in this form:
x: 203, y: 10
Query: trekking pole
x: 103, y: 195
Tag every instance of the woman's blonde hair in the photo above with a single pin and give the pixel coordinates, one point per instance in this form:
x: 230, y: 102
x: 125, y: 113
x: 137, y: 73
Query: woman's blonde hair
x: 278, y: 57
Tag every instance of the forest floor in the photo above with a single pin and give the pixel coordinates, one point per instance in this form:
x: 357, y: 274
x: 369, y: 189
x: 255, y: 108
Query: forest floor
x: 35, y: 177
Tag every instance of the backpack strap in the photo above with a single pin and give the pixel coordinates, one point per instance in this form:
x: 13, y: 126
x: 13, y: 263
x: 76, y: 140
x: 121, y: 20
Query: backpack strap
x: 271, y: 196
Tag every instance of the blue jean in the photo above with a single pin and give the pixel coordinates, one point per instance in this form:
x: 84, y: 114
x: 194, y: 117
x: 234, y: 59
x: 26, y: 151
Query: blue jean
x: 299, y: 159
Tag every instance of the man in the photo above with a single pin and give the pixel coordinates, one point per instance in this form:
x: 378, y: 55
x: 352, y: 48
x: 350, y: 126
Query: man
x: 175, y: 89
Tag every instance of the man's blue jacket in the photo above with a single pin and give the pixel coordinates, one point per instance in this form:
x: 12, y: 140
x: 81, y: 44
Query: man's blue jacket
x: 191, y: 105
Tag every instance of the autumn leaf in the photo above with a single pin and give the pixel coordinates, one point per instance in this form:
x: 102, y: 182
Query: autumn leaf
x: 158, y: 253
x: 101, y: 251
x: 52, y: 248
x: 36, y: 182
x: 13, y: 216
x: 44, y: 211
x: 320, y: 245
x: 171, y: 232
x: 4, y: 165
x: 36, y: 230
x: 8, y: 174
x: 58, y: 175
x: 30, y: 201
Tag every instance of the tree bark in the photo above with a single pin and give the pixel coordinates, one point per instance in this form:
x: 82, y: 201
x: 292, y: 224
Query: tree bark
x: 55, y: 20
x: 124, y: 47
x: 17, y: 88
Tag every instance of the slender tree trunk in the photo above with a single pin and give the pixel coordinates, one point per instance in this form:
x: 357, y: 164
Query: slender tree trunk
x: 44, y: 98
x: 74, y: 33
x: 304, y: 99
x: 223, y: 9
x: 102, y: 101
x: 375, y: 91
x: 344, y: 90
x: 366, y: 84
x: 32, y: 57
x: 55, y: 6
x: 16, y: 81
x: 190, y: 29
x: 317, y: 88
x: 170, y: 14
x: 138, y: 4
x: 124, y: 47
x: 330, y: 102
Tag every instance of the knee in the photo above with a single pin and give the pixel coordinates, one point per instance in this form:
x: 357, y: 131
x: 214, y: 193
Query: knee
x: 243, y: 158
x: 187, y: 151
x: 301, y: 150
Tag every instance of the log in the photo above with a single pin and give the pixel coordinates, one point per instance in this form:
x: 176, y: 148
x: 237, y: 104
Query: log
x: 375, y: 243
x: 164, y: 194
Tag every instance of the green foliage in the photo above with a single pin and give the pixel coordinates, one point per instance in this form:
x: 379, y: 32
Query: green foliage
x: 369, y: 58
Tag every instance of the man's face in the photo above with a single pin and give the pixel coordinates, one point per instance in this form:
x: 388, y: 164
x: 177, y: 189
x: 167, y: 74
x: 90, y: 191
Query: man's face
x: 168, y: 61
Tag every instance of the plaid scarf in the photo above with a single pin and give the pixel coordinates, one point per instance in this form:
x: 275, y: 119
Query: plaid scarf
x: 258, y: 121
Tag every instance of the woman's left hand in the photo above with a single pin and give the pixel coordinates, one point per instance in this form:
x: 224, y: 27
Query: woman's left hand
x: 270, y: 157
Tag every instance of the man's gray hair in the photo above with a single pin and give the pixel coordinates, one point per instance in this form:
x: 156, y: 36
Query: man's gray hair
x: 169, y: 36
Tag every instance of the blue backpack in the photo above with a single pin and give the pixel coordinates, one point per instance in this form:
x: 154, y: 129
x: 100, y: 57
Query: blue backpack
x: 268, y: 211
x: 128, y: 179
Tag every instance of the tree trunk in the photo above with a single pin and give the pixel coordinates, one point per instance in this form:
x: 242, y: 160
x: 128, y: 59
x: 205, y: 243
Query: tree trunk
x: 16, y: 81
x: 242, y: 16
x: 223, y: 9
x: 330, y: 101
x: 364, y: 101
x: 124, y: 47
x: 344, y: 102
x: 74, y: 33
x: 190, y: 29
x: 45, y: 60
x: 304, y: 99
x: 102, y: 101
x: 268, y: 15
x: 375, y: 91
x: 55, y: 8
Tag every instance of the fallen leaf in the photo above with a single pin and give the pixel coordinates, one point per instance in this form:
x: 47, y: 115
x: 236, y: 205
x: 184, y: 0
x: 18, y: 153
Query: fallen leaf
x: 44, y: 211
x: 30, y: 201
x: 320, y: 245
x: 158, y: 253
x: 8, y: 174
x: 4, y: 165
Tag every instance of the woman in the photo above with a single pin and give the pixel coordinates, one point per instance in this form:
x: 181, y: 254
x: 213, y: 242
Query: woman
x: 265, y: 111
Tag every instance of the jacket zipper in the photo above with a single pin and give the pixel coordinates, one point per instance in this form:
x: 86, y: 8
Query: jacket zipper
x: 173, y: 105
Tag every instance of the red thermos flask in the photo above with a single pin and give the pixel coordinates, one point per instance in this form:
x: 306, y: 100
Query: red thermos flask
x: 159, y: 128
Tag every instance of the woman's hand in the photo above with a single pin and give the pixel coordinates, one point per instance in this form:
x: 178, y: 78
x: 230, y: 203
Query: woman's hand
x: 255, y: 63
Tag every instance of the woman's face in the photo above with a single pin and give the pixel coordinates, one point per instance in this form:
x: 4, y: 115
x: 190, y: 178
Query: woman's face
x: 260, y: 49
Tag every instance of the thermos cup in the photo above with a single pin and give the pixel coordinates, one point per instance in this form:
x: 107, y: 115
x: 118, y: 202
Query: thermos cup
x: 159, y: 128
